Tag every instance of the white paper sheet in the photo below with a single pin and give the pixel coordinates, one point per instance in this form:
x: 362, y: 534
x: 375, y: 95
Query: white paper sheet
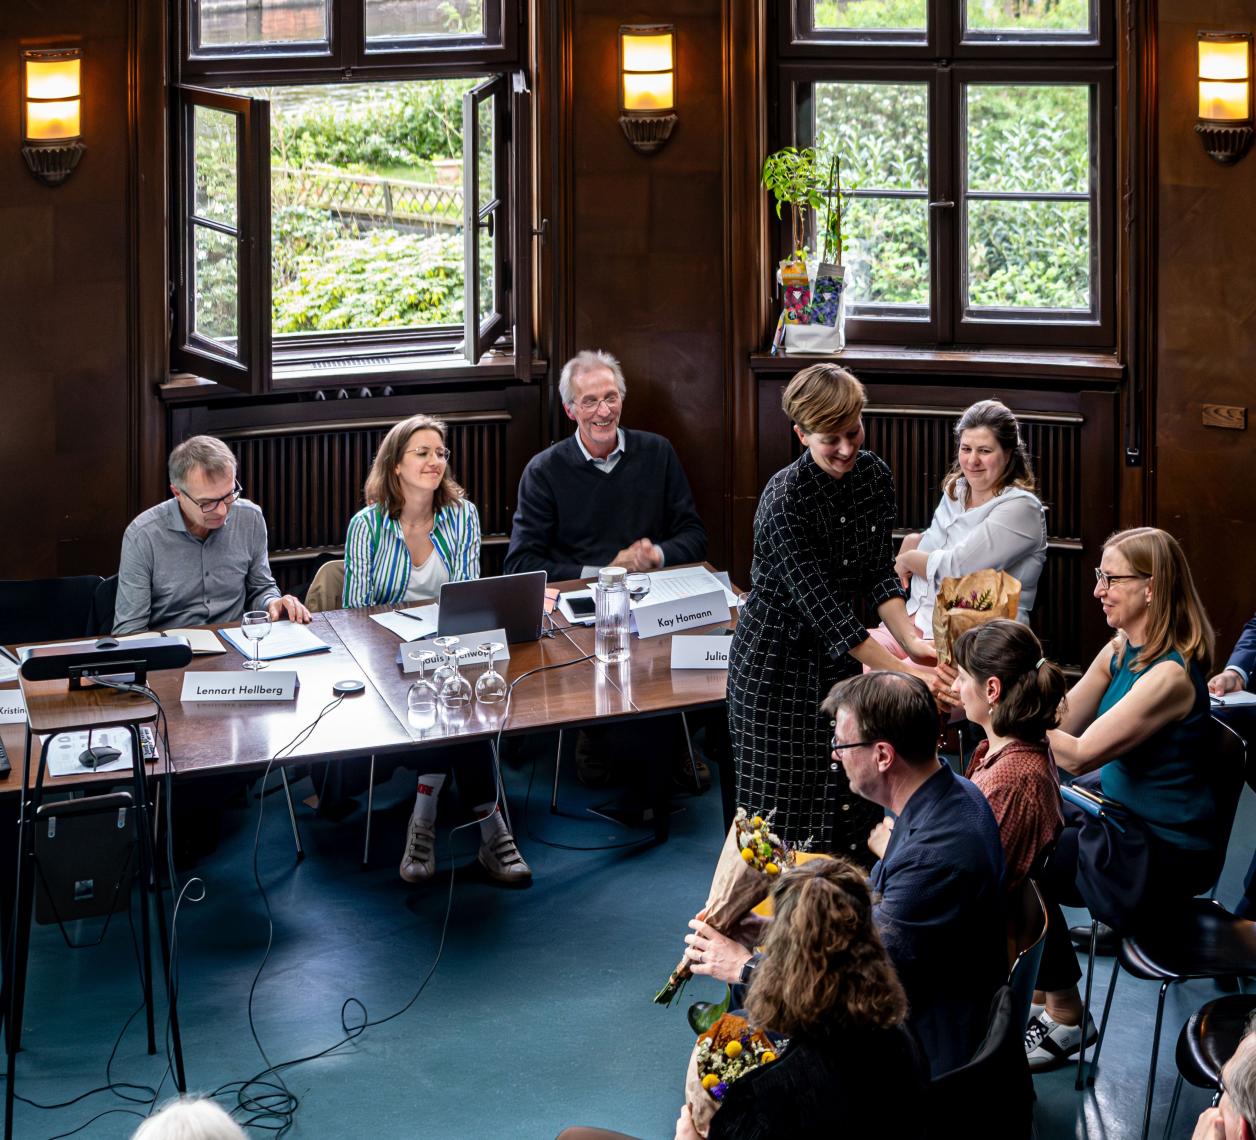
x: 410, y: 628
x: 286, y: 639
x: 684, y: 582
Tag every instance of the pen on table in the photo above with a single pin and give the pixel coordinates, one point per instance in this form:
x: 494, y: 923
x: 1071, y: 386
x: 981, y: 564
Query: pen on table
x: 412, y: 617
x: 1216, y: 700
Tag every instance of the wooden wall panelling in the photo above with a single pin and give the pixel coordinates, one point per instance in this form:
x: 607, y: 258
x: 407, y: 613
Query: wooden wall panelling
x: 1205, y: 328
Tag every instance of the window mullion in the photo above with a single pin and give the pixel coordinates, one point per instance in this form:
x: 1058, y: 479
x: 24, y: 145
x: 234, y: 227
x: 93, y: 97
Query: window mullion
x: 945, y: 204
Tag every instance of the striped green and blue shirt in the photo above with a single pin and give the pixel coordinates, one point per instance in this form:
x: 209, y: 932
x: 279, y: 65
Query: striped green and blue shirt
x: 377, y: 560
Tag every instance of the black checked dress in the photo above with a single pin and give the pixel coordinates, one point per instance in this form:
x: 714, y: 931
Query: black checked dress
x: 820, y: 544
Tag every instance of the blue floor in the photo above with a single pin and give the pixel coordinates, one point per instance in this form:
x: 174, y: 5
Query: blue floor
x: 538, y: 1015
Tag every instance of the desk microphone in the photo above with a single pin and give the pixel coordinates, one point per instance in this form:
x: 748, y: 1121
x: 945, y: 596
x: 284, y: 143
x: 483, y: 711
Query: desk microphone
x: 97, y: 755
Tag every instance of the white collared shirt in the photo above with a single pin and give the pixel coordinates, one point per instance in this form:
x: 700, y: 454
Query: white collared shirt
x: 607, y: 465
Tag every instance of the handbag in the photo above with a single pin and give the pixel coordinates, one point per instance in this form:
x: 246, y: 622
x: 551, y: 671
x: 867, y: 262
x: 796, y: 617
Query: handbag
x: 1113, y: 856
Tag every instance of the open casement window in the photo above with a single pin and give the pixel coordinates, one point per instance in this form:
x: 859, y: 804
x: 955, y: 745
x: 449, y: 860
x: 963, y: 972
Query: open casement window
x: 222, y: 300
x: 485, y: 230
x: 976, y: 142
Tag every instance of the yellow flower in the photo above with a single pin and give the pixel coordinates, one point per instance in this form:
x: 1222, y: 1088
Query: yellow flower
x: 747, y: 854
x: 710, y: 1081
x: 772, y: 869
x: 757, y: 821
x: 732, y: 1049
x: 768, y: 1056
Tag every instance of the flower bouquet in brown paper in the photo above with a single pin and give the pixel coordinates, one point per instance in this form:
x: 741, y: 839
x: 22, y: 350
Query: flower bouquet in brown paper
x: 750, y: 860
x: 728, y: 1050
x: 968, y: 601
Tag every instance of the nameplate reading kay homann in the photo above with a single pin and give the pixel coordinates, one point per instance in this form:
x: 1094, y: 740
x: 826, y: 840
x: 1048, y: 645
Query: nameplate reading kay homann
x: 701, y: 651
x: 241, y: 685
x: 679, y: 614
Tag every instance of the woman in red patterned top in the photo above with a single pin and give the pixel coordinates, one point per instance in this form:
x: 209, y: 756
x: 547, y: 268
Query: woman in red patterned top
x: 1013, y: 693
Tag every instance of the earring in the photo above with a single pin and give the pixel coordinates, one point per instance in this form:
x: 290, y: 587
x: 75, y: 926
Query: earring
x: 990, y: 708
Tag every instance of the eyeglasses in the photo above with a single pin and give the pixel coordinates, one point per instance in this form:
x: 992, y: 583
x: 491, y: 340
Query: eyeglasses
x: 441, y: 454
x: 1221, y: 1090
x: 835, y: 747
x: 591, y: 403
x: 209, y: 506
x: 1106, y: 580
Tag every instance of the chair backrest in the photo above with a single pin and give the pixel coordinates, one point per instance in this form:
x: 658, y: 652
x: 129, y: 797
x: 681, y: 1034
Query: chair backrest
x: 100, y: 616
x: 327, y: 589
x: 993, y: 1094
x: 45, y: 609
x: 1027, y: 934
x: 1226, y: 762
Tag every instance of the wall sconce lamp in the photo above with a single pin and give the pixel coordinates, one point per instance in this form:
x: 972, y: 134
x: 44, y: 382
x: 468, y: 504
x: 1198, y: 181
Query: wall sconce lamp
x: 1225, y: 94
x: 647, y: 84
x: 52, y: 98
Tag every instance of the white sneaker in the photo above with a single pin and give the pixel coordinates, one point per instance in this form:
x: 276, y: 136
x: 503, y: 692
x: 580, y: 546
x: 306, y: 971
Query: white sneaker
x: 501, y: 859
x: 418, y: 862
x: 1049, y: 1044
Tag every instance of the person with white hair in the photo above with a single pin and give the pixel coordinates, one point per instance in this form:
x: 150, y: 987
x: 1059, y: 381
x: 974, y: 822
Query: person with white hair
x: 605, y: 496
x: 189, y: 1118
x: 1233, y: 1116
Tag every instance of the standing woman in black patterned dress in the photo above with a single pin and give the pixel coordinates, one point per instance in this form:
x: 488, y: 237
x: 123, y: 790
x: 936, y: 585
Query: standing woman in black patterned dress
x: 822, y: 544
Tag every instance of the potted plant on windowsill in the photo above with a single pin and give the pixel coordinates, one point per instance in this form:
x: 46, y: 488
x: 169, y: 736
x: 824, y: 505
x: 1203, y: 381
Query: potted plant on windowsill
x: 813, y: 318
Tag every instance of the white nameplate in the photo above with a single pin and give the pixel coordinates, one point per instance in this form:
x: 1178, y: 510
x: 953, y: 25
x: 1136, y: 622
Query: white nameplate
x: 412, y: 652
x: 12, y: 707
x: 241, y: 685
x: 700, y: 651
x: 678, y: 614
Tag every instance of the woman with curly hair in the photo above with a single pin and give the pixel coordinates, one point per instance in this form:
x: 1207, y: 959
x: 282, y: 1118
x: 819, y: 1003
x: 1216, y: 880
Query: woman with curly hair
x: 826, y: 983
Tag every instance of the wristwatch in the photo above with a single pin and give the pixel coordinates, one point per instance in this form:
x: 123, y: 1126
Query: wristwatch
x: 748, y: 968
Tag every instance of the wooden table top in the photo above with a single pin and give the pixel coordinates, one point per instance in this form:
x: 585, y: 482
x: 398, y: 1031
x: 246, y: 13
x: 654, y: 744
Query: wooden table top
x: 224, y: 735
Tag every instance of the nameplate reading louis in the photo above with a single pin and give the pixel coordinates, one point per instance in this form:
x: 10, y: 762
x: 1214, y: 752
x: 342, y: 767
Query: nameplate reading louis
x: 679, y: 614
x: 241, y: 685
x: 701, y: 651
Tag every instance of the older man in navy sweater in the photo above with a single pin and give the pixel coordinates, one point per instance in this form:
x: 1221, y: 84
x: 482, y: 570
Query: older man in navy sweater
x: 606, y: 496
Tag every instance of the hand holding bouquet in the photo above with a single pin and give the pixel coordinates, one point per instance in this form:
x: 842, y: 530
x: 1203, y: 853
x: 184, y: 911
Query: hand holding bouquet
x: 968, y: 601
x: 750, y: 860
x: 724, y: 1053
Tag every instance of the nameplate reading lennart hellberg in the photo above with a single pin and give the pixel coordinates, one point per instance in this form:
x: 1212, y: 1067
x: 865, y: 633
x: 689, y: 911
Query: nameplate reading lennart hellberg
x: 679, y: 614
x: 240, y: 685
x: 701, y: 651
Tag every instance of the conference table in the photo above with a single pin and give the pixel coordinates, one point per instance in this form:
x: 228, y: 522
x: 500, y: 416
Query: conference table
x: 568, y: 688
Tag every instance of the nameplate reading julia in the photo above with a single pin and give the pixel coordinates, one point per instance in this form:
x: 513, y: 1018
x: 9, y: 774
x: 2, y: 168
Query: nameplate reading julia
x: 241, y: 685
x: 700, y: 651
x: 676, y: 615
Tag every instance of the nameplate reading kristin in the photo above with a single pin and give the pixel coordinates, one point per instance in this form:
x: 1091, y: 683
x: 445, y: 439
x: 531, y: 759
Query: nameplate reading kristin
x: 412, y: 652
x: 12, y: 707
x: 700, y: 651
x: 678, y: 614
x: 241, y: 685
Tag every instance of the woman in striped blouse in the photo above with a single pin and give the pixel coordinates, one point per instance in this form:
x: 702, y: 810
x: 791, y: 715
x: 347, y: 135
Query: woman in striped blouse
x: 418, y: 531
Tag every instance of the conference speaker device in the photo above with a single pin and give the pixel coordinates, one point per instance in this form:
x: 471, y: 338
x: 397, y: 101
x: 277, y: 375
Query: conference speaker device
x: 83, y: 661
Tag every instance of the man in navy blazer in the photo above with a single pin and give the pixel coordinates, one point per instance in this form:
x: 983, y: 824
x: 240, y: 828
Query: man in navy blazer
x: 1238, y: 671
x: 940, y: 876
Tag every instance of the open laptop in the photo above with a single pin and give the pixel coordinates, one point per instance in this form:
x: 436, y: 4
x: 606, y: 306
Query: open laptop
x: 513, y: 602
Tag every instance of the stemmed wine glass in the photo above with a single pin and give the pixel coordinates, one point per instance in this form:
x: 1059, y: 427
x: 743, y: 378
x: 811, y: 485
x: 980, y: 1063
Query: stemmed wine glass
x: 490, y: 686
x: 638, y: 586
x: 255, y: 625
x: 422, y: 697
x: 446, y: 669
x: 455, y: 693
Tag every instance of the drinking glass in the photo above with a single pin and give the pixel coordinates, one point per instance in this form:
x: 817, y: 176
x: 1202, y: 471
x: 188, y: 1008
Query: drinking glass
x: 490, y: 686
x: 638, y: 586
x: 446, y: 668
x: 455, y: 693
x: 255, y: 625
x: 422, y: 699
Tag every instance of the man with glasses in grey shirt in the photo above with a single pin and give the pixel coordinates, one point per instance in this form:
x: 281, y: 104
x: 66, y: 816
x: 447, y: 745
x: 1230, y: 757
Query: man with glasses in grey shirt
x: 199, y: 558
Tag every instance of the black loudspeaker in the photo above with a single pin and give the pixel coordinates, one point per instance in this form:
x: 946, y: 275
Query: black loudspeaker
x: 82, y: 660
x: 86, y: 855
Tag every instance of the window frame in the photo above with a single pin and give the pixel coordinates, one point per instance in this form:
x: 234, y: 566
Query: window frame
x: 945, y: 61
x: 306, y: 360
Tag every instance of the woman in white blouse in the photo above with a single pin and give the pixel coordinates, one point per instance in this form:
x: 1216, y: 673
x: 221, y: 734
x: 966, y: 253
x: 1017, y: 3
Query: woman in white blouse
x: 988, y: 519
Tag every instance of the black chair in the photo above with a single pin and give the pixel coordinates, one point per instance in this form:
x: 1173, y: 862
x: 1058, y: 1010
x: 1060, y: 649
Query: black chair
x: 992, y: 1096
x: 1226, y: 763
x: 1027, y: 935
x: 45, y: 609
x: 100, y: 616
x: 1207, y: 1041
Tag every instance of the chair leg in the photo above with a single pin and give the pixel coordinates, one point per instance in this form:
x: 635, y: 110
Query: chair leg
x: 558, y: 760
x: 370, y: 802
x: 1103, y: 1025
x: 1173, y: 1106
x: 1155, y: 1051
x: 292, y: 814
x: 1078, y: 1083
x: 693, y: 764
